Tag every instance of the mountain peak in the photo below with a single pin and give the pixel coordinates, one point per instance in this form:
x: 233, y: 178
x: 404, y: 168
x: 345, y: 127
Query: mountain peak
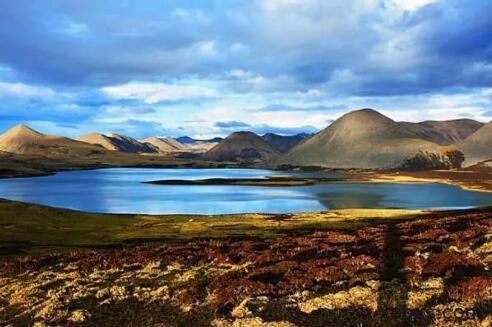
x: 243, y: 134
x: 116, y: 135
x: 365, y: 113
x: 21, y: 130
x: 242, y: 146
x: 360, y: 139
x: 363, y: 122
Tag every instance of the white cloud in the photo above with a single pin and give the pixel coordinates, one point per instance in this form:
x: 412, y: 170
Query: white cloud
x: 207, y: 48
x: 25, y: 90
x: 408, y: 5
x: 439, y: 106
x: 151, y: 93
x: 241, y: 81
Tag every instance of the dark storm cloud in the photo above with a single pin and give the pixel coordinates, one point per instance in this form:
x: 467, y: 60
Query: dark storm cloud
x: 454, y: 39
x: 94, y: 43
x: 80, y: 42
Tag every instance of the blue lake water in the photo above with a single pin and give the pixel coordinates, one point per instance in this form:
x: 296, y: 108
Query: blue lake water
x: 122, y: 191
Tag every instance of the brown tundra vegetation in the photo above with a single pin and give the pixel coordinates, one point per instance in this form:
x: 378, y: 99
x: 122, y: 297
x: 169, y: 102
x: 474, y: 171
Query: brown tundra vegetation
x: 430, y: 271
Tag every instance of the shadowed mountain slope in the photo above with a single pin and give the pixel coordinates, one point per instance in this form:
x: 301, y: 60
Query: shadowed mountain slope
x: 478, y: 146
x: 360, y: 139
x: 99, y: 139
x: 444, y: 132
x: 283, y: 143
x: 242, y: 147
x: 117, y: 142
x: 164, y: 145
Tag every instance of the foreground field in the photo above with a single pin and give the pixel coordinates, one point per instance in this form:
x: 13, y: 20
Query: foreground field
x: 295, y: 270
x: 34, y: 229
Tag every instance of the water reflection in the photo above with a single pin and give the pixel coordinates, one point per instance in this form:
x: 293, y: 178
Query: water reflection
x: 345, y: 200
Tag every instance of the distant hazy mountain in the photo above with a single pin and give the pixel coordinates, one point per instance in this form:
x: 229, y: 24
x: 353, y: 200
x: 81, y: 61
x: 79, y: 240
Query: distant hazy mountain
x: 444, y: 132
x: 360, y: 139
x: 197, y: 145
x: 189, y: 140
x: 117, y: 142
x: 165, y: 145
x: 242, y: 147
x: 22, y: 139
x: 478, y: 146
x: 284, y: 143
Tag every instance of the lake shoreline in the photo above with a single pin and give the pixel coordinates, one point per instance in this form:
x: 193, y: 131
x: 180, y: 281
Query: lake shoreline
x: 18, y: 166
x: 466, y: 180
x: 229, y: 191
x: 43, y: 228
x: 400, y: 177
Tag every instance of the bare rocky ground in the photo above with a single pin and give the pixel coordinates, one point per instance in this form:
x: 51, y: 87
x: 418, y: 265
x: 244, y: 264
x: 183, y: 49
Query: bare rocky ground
x: 431, y: 271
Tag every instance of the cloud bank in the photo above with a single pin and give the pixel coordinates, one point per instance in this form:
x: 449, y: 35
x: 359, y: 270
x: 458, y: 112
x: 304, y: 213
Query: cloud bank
x: 180, y: 67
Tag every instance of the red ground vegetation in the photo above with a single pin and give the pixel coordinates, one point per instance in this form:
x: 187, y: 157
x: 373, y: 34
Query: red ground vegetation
x: 444, y: 246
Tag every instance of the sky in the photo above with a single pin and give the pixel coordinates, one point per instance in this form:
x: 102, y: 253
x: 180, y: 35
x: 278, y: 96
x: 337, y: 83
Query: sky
x: 208, y: 68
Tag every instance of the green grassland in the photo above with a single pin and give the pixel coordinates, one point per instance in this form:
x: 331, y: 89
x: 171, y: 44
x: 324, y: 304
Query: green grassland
x: 34, y: 229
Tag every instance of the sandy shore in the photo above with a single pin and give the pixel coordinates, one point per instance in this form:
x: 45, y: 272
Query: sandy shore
x: 468, y: 180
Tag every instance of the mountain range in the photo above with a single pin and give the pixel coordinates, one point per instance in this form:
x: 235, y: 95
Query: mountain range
x: 360, y: 139
x: 443, y: 132
x: 164, y: 145
x: 150, y: 145
x: 190, y: 140
x: 117, y: 142
x: 197, y: 145
x: 242, y: 147
x: 283, y: 143
x: 24, y: 140
x: 367, y: 139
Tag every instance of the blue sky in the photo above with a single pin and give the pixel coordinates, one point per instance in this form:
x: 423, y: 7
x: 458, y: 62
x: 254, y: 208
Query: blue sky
x: 206, y: 68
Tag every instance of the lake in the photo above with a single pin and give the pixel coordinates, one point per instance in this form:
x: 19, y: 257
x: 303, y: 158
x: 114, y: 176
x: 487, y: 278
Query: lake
x: 120, y: 190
